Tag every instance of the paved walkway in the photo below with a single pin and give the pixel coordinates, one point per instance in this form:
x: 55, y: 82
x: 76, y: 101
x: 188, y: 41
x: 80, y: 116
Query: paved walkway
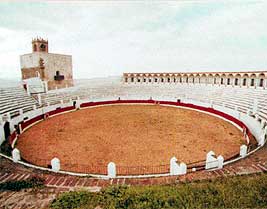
x: 255, y: 163
x: 58, y: 183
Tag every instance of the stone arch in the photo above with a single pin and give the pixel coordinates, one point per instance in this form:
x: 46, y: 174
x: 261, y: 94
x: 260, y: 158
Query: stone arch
x: 197, y: 78
x: 216, y: 79
x: 191, y: 78
x: 203, y: 78
x: 230, y: 78
x: 252, y: 79
x: 261, y: 80
x: 237, y: 79
x: 210, y: 78
x: 222, y: 79
x: 178, y: 78
x: 245, y: 79
x: 184, y: 78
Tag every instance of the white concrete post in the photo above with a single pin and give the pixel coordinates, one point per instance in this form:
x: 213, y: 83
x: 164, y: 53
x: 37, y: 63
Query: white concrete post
x: 55, y: 163
x: 220, y: 161
x: 243, y: 150
x: 2, y: 132
x: 183, y: 168
x: 15, y: 155
x: 28, y: 89
x: 39, y: 99
x: 174, y: 169
x: 111, y: 170
x: 20, y: 128
x: 21, y: 114
x: 34, y: 107
x: 262, y: 140
x: 7, y: 117
x: 78, y: 103
x: 211, y: 160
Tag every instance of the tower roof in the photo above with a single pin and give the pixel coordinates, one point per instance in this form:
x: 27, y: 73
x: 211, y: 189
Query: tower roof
x: 39, y: 39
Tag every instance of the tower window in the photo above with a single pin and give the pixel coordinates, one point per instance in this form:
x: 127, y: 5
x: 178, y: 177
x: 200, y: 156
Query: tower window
x: 42, y: 47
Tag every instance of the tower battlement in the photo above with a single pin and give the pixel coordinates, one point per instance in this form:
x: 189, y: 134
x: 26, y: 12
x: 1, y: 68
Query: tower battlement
x: 39, y: 45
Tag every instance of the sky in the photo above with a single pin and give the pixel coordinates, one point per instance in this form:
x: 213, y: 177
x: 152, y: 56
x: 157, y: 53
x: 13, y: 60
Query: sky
x: 107, y: 38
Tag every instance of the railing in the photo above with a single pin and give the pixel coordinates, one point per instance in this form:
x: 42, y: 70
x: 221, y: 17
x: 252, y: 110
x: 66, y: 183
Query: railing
x: 84, y: 168
x: 101, y: 169
x: 198, y: 165
x: 129, y: 170
x: 142, y: 170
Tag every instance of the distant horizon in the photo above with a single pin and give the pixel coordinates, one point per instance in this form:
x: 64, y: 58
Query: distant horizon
x: 109, y: 38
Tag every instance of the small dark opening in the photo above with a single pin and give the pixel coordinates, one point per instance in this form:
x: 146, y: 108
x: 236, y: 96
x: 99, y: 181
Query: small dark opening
x: 7, y: 130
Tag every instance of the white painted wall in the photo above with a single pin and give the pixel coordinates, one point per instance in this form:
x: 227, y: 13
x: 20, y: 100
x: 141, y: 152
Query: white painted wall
x: 52, y: 63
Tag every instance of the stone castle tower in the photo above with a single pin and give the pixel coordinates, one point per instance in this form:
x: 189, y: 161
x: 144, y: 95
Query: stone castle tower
x: 55, y: 69
x: 39, y: 45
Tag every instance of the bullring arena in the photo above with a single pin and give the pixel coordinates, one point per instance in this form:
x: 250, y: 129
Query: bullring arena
x: 133, y: 136
x: 112, y: 128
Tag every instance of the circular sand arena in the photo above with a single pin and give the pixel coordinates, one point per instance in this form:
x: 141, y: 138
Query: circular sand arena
x: 128, y: 135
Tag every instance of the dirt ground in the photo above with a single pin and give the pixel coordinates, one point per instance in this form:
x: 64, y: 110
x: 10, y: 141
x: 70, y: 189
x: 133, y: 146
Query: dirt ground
x: 129, y: 135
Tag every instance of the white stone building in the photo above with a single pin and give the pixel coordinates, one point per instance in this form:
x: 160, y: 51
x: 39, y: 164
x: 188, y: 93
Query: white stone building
x: 55, y: 69
x: 242, y: 79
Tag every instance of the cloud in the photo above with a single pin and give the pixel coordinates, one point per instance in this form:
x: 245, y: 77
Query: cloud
x: 112, y: 37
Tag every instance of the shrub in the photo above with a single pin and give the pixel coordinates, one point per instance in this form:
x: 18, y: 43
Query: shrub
x: 34, y: 182
x: 74, y: 200
x: 236, y: 192
x: 6, y: 148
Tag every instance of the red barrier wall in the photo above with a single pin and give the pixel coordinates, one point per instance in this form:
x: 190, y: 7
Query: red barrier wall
x: 205, y: 109
x: 12, y: 137
x: 91, y: 104
x: 31, y: 121
x: 64, y: 109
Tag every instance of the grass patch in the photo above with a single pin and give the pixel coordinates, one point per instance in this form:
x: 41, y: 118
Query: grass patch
x: 234, y: 192
x: 34, y: 182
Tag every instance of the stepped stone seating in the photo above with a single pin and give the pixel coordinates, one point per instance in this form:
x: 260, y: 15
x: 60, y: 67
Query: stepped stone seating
x: 13, y: 99
x: 236, y: 98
